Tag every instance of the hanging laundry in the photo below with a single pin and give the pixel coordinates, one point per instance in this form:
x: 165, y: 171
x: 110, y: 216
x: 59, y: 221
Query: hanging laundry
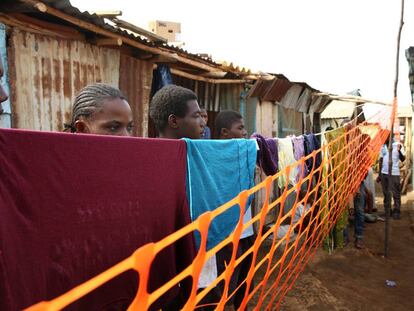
x: 312, y: 144
x: 299, y: 152
x: 339, y: 165
x: 267, y: 157
x: 72, y: 206
x: 286, y: 157
x: 217, y: 178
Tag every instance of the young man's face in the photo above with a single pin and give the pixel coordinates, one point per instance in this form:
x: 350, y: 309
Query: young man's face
x: 204, y: 115
x: 3, y: 94
x: 114, y: 118
x: 237, y: 130
x: 192, y: 125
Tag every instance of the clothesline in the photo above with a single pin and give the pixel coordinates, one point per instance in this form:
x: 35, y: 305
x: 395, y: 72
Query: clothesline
x: 351, y: 98
x: 342, y: 126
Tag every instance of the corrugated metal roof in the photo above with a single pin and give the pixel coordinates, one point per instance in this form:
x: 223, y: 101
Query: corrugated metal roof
x: 260, y: 88
x: 234, y: 68
x: 270, y: 90
x: 66, y: 7
x: 278, y: 89
x: 338, y: 110
x: 47, y: 73
x: 292, y: 95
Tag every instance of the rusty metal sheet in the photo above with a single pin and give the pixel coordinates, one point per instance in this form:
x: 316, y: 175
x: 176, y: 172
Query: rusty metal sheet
x: 260, y: 88
x: 277, y: 90
x: 66, y: 7
x: 270, y: 90
x: 47, y: 73
x: 135, y: 80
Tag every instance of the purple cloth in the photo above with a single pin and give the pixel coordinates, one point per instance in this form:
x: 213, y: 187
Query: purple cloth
x: 299, y: 152
x: 311, y: 144
x: 267, y: 156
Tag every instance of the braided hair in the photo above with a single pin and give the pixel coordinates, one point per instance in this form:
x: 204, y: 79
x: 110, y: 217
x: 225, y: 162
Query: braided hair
x: 90, y: 99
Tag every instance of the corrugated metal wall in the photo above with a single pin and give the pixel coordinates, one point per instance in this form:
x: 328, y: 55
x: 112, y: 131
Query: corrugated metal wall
x: 47, y: 74
x: 135, y: 82
x: 5, y: 120
x: 230, y: 95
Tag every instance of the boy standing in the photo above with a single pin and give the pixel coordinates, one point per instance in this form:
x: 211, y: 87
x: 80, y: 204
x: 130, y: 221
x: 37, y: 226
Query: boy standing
x: 229, y: 124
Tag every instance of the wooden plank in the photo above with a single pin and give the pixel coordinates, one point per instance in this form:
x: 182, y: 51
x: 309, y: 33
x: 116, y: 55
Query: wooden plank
x: 25, y: 23
x: 163, y: 59
x: 108, y: 42
x: 107, y: 14
x: 65, y: 30
x: 349, y: 98
x: 199, y: 78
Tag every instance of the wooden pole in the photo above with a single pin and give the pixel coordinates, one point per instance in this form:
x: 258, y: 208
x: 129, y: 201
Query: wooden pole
x: 390, y: 142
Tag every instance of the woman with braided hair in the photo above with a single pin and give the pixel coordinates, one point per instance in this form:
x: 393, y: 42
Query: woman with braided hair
x: 102, y: 110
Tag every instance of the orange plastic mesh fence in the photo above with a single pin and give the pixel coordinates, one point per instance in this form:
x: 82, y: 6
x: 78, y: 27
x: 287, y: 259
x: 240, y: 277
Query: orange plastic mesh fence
x: 277, y: 259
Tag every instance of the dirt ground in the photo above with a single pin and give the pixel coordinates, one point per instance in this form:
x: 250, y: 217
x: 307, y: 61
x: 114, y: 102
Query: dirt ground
x: 351, y: 279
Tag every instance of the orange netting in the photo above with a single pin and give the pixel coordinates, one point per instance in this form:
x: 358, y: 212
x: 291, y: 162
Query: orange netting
x: 276, y: 259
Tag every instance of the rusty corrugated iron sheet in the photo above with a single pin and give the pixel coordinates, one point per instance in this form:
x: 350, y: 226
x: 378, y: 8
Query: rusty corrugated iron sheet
x: 135, y: 80
x: 278, y: 89
x: 260, y: 88
x: 291, y: 95
x: 270, y: 90
x: 47, y: 73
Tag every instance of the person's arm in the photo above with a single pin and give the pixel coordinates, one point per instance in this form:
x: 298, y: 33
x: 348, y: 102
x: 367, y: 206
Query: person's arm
x: 400, y: 154
x: 380, y: 169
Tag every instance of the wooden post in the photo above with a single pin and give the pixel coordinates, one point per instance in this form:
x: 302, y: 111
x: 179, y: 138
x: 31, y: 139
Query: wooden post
x: 390, y: 143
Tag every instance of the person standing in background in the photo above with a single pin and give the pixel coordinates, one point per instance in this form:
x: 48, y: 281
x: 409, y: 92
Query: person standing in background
x: 207, y: 131
x: 395, y: 185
